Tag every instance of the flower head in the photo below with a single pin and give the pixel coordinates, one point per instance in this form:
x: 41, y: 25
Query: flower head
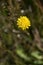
x: 23, y: 22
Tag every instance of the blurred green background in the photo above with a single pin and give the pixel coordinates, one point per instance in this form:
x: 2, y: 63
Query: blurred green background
x: 19, y: 47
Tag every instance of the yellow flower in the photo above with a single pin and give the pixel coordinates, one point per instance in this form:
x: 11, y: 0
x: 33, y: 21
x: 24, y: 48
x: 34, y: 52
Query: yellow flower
x: 23, y: 22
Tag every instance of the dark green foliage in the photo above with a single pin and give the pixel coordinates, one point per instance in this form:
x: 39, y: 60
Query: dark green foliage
x: 19, y: 47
